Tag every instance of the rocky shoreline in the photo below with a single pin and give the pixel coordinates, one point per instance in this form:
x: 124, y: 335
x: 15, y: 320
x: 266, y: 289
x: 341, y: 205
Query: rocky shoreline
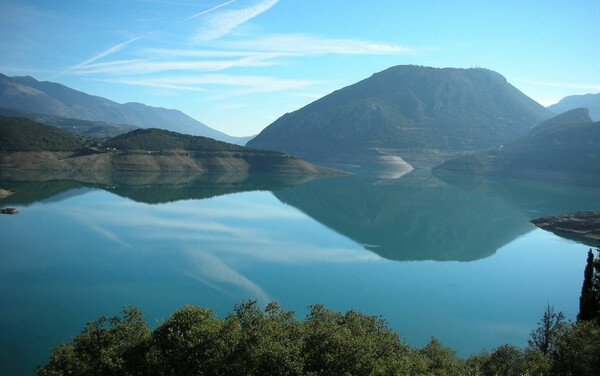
x: 581, y: 226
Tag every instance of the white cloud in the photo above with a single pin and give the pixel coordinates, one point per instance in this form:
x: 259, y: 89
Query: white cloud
x: 244, y: 84
x: 180, y: 53
x: 141, y: 66
x: 220, y: 24
x: 311, y: 45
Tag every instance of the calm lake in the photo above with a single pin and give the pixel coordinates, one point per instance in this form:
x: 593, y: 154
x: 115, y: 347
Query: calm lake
x: 456, y: 258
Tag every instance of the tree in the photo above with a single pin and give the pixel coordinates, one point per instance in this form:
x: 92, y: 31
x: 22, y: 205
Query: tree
x: 506, y: 360
x: 188, y: 343
x: 442, y: 360
x: 578, y: 351
x: 588, y: 301
x: 550, y: 328
x: 107, y: 346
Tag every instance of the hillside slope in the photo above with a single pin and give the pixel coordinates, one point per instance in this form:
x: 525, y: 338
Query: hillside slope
x: 49, y: 98
x: 407, y: 107
x: 18, y: 134
x: 86, y: 128
x: 30, y: 146
x: 564, y: 148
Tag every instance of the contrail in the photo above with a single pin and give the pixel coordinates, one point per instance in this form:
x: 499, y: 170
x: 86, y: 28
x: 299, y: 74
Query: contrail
x: 102, y: 54
x: 109, y: 51
x: 120, y: 46
x: 209, y: 10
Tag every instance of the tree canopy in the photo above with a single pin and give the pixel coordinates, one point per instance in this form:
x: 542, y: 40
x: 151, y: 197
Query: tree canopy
x: 272, y: 341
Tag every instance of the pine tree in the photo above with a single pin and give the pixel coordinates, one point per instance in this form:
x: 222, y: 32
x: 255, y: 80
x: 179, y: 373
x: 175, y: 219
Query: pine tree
x: 550, y: 328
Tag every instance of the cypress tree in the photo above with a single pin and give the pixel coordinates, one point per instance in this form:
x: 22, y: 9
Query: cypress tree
x: 588, y: 301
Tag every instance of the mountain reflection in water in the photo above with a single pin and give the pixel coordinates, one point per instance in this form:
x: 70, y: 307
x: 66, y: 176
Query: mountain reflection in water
x: 415, y: 217
x: 421, y: 217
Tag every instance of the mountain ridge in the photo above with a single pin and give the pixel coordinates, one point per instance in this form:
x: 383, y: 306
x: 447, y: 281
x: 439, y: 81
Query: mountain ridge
x: 51, y: 98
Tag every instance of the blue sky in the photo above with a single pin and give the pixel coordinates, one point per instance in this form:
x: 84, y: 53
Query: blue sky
x: 237, y: 65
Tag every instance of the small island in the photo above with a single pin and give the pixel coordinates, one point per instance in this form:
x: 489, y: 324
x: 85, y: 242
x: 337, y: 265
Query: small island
x: 581, y: 226
x: 26, y: 145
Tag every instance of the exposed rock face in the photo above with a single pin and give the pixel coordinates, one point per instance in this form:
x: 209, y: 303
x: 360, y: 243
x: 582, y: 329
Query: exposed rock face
x: 168, y: 161
x: 579, y: 225
x: 25, y: 145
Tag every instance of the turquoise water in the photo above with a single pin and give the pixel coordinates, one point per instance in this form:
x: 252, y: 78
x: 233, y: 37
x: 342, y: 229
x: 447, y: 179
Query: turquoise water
x: 454, y: 259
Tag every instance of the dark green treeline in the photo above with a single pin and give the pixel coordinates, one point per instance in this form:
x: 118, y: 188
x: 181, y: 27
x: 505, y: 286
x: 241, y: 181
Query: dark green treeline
x: 251, y: 341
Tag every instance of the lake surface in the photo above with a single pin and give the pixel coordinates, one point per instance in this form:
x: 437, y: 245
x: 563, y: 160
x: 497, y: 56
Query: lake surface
x: 455, y: 258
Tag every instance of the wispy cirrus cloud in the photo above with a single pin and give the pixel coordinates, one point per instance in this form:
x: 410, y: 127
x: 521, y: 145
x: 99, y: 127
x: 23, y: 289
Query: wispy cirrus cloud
x: 199, y: 53
x: 222, y: 23
x: 304, y: 44
x: 240, y: 84
x: 147, y: 66
x: 118, y: 47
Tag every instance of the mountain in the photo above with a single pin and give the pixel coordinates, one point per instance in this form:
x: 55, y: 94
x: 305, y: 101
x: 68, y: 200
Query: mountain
x: 564, y: 148
x: 589, y: 101
x: 49, y: 98
x: 86, y: 128
x: 25, y: 145
x: 411, y: 108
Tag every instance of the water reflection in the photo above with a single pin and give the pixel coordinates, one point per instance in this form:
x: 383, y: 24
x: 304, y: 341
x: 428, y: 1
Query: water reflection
x: 421, y: 217
x: 150, y: 187
x: 412, y: 216
x: 82, y: 252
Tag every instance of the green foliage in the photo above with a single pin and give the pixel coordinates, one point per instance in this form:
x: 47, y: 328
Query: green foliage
x: 578, y: 351
x: 249, y: 341
x: 441, y: 360
x: 351, y: 344
x: 507, y: 360
x: 159, y: 139
x: 272, y: 342
x: 18, y: 134
x: 107, y: 346
x: 190, y: 342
